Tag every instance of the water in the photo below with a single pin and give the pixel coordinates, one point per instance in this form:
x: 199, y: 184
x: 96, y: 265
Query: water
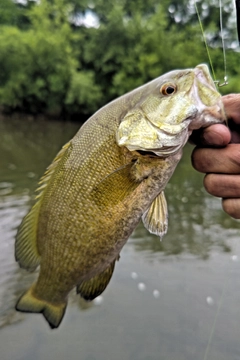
x: 172, y: 300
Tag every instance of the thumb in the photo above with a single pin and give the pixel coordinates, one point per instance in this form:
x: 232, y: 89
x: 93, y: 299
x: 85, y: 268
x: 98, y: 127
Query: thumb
x: 216, y: 135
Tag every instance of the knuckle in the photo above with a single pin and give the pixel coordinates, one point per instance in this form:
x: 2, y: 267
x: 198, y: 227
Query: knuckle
x: 235, y: 157
x: 197, y: 161
x: 210, y: 183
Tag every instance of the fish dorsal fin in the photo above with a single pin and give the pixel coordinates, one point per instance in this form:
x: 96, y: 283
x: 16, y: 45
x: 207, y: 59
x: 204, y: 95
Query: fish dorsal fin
x: 26, y: 250
x: 155, y: 219
x: 50, y: 171
x: 92, y: 288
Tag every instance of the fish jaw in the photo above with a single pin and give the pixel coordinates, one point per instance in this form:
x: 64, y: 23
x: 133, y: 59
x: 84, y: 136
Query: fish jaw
x: 208, y: 100
x: 162, y: 125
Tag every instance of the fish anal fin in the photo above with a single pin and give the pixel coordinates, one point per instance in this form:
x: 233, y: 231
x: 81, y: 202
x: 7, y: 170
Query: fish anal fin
x: 26, y: 252
x: 53, y: 313
x: 155, y: 219
x: 92, y: 288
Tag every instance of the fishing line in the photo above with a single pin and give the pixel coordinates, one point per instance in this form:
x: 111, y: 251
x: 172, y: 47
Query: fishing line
x: 205, y: 40
x: 223, y: 46
x: 217, y: 82
x: 215, y: 321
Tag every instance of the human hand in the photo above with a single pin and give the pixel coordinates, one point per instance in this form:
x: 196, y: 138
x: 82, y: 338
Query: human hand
x: 221, y: 161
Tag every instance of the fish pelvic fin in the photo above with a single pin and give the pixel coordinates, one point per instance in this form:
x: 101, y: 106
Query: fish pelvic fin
x: 92, y: 288
x: 53, y: 313
x: 26, y: 250
x: 155, y: 219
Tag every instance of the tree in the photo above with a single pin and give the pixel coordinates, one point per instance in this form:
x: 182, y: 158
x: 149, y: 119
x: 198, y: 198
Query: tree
x: 52, y: 62
x: 40, y: 71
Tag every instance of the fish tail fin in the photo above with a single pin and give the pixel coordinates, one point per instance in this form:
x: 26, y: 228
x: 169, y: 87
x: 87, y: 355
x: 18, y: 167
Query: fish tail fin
x: 53, y: 313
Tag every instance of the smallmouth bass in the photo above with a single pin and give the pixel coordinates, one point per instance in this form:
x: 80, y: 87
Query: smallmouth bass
x: 103, y: 181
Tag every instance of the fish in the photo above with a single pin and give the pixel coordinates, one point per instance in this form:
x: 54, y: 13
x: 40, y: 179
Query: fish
x: 107, y: 178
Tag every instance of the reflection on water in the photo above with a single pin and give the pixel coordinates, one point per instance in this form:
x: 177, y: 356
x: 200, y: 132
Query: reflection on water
x: 173, y: 299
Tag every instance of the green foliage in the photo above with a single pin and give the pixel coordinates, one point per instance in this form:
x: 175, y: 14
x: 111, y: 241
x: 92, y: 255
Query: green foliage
x: 39, y: 66
x: 84, y: 91
x: 8, y: 12
x: 50, y: 64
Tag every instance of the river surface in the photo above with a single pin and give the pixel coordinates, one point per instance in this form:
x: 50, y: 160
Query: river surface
x: 176, y: 299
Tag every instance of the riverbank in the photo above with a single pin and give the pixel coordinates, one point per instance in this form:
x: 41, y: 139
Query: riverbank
x: 23, y: 116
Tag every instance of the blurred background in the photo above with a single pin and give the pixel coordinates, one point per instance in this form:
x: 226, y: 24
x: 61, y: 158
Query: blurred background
x: 175, y: 299
x: 63, y: 58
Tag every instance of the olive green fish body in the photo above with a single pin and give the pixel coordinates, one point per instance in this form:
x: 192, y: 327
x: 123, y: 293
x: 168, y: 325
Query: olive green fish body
x: 97, y: 220
x: 109, y: 176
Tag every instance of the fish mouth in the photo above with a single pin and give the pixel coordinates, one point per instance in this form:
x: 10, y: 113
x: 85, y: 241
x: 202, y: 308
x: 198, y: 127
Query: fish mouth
x: 160, y: 153
x: 209, y: 105
x: 208, y: 97
x: 147, y: 153
x: 203, y: 75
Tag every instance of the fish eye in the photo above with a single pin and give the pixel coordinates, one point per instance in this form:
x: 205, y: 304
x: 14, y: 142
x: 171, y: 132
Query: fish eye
x: 168, y: 89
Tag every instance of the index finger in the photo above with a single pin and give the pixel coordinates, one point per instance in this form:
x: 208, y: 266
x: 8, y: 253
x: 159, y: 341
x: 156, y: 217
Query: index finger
x: 220, y: 161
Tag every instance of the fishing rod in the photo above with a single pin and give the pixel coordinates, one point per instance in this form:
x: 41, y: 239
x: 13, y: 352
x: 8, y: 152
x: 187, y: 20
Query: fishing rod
x: 237, y: 4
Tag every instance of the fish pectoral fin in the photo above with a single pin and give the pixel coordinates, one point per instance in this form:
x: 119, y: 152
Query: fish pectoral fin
x: 53, y: 313
x: 120, y: 180
x: 92, y: 288
x: 155, y: 219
